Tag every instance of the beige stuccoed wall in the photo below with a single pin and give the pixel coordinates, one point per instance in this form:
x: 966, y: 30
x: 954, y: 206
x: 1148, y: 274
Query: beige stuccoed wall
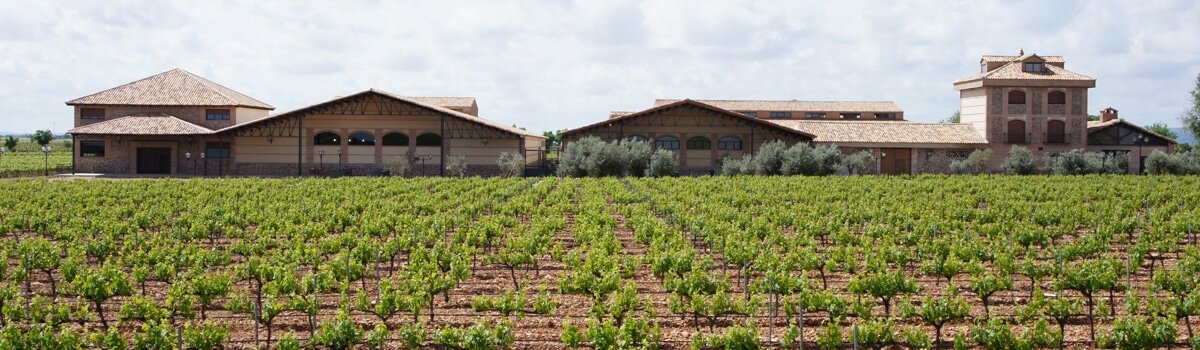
x: 245, y: 114
x: 282, y: 150
x: 973, y: 109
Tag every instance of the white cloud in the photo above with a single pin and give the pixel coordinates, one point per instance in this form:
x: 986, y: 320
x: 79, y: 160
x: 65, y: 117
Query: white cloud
x: 559, y: 64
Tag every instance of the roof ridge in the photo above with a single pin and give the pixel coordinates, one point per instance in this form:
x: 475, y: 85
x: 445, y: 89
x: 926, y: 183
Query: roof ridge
x: 210, y: 84
x: 123, y: 85
x: 207, y: 83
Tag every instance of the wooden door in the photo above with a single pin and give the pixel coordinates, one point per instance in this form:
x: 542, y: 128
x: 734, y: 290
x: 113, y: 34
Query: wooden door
x: 895, y: 161
x: 153, y: 160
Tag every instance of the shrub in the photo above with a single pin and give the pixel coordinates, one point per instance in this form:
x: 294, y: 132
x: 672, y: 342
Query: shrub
x: 592, y: 157
x: 741, y: 166
x: 341, y: 334
x: 662, y: 163
x: 400, y: 166
x: 976, y: 162
x: 456, y: 166
x: 1078, y: 162
x: 860, y: 163
x: 206, y: 336
x: 1160, y: 163
x: 1020, y: 161
x: 511, y: 164
x: 802, y: 159
x: 769, y: 159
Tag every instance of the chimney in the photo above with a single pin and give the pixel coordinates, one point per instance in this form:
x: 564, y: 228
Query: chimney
x: 1108, y: 114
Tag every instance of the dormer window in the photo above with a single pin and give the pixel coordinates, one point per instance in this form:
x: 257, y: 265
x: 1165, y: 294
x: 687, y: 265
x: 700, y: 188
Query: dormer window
x: 885, y: 115
x: 814, y: 115
x: 851, y: 115
x: 1035, y: 67
x: 781, y: 115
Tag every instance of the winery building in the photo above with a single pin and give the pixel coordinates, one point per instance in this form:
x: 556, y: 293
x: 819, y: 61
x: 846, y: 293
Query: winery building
x: 178, y: 123
x: 1023, y: 100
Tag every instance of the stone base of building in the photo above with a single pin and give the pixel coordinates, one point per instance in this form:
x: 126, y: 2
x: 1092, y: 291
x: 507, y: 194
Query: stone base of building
x: 285, y: 169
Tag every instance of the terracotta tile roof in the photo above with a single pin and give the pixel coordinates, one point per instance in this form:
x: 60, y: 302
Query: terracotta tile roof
x: 1003, y: 58
x: 451, y: 112
x: 796, y: 105
x: 897, y: 132
x: 175, y: 87
x: 448, y: 102
x: 681, y: 103
x: 142, y: 124
x: 1014, y: 71
x: 1094, y: 126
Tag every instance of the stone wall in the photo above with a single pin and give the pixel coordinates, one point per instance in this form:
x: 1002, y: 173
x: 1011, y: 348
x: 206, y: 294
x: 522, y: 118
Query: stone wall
x: 937, y: 161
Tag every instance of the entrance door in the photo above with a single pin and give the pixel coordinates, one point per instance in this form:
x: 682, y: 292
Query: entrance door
x: 153, y: 160
x: 895, y: 161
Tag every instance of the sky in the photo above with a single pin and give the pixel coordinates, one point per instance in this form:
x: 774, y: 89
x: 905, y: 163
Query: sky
x: 547, y: 65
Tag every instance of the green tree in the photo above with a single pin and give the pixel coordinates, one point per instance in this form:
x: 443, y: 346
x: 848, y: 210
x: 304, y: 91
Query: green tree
x: 1191, y: 118
x: 1162, y: 129
x: 10, y: 142
x: 553, y: 138
x: 42, y: 137
x: 1093, y: 118
x: 954, y: 118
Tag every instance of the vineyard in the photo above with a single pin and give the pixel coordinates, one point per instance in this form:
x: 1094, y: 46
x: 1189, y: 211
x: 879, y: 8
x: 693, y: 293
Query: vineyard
x: 994, y: 262
x: 27, y: 160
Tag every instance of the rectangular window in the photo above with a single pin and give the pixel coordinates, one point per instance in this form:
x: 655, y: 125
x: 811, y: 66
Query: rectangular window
x: 91, y: 148
x: 814, y: 115
x: 1034, y: 67
x: 91, y: 113
x: 851, y: 115
x: 781, y: 115
x: 216, y: 150
x: 217, y: 114
x: 752, y: 114
x: 885, y: 115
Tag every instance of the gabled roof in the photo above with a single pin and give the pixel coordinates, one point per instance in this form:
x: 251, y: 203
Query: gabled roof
x: 1094, y: 126
x: 142, y: 124
x: 175, y: 87
x: 1003, y: 58
x: 681, y: 103
x: 796, y: 105
x: 1013, y: 70
x: 448, y: 102
x: 435, y: 108
x: 886, y: 132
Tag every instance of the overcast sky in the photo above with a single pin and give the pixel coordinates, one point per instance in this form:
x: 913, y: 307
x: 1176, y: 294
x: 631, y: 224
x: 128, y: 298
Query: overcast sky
x: 550, y: 65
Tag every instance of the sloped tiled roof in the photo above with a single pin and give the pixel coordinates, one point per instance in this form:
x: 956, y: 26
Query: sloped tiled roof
x: 175, y: 87
x: 681, y: 103
x: 142, y: 124
x: 436, y: 108
x: 1013, y: 70
x: 1003, y: 58
x: 896, y: 132
x: 1094, y: 126
x: 796, y: 105
x: 447, y: 102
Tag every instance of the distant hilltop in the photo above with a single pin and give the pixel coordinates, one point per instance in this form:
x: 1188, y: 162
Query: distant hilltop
x: 1184, y: 136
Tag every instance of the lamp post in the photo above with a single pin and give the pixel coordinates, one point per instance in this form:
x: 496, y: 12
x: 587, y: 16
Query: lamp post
x: 188, y: 155
x: 46, y: 150
x: 321, y: 154
x: 339, y: 161
x: 202, y: 156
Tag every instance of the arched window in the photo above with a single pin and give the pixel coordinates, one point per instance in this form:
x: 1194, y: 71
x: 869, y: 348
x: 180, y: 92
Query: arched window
x: 666, y: 142
x: 395, y: 139
x: 729, y: 143
x: 1057, y: 98
x: 429, y: 139
x: 361, y: 139
x: 1016, y: 131
x: 637, y: 138
x: 327, y: 139
x: 1056, y: 131
x: 699, y: 142
x: 1016, y: 97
